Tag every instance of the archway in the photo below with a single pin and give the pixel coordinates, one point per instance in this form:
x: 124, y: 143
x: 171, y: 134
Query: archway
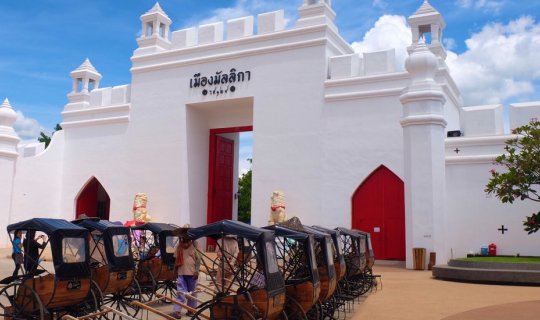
x: 378, y: 207
x: 93, y: 201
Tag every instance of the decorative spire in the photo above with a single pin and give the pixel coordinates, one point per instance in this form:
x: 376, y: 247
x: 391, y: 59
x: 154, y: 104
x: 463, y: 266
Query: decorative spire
x: 156, y: 8
x: 426, y: 9
x: 155, y: 31
x: 86, y: 66
x: 8, y: 116
x: 316, y: 12
x: 427, y: 20
x: 6, y: 104
x: 85, y: 78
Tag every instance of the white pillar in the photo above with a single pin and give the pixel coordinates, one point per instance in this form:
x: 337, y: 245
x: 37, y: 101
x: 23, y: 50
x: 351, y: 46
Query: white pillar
x: 8, y: 159
x: 424, y: 155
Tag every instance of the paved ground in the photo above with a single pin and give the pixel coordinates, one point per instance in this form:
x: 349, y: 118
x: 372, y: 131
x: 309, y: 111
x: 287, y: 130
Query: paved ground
x: 408, y: 294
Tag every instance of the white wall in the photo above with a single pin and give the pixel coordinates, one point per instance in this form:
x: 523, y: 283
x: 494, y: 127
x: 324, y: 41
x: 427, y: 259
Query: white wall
x: 474, y: 217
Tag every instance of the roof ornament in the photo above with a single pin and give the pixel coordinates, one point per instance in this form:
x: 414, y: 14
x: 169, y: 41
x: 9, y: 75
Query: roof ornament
x: 6, y: 104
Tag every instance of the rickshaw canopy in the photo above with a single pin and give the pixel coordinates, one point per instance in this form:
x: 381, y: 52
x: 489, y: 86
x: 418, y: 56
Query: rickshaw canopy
x: 230, y: 227
x: 58, y: 230
x: 162, y: 230
x: 264, y: 243
x: 305, y: 239
x: 117, y: 242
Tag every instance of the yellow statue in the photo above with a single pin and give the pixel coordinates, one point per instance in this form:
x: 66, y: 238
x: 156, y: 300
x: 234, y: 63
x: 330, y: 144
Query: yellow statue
x: 140, y: 214
x: 277, y: 209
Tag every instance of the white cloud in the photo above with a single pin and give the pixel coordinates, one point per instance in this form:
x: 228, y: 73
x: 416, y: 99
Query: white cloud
x: 379, y: 4
x: 449, y: 43
x: 501, y: 62
x: 27, y: 128
x: 243, y: 8
x: 484, y: 5
x: 389, y: 32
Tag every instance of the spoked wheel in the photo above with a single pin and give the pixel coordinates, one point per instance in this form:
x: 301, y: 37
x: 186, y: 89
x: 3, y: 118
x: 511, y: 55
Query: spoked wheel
x: 122, y: 299
x: 167, y: 288
x: 147, y: 283
x: 315, y: 313
x: 18, y: 302
x: 223, y: 311
x: 294, y: 310
x: 91, y: 304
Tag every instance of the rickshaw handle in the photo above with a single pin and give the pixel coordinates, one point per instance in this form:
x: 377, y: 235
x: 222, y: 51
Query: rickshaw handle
x: 182, y: 305
x: 159, y: 313
x: 207, y: 287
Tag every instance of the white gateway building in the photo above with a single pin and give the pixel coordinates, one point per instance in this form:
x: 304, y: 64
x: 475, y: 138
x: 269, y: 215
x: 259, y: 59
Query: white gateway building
x: 351, y: 141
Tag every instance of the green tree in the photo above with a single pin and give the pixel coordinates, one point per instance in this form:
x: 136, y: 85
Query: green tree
x: 44, y: 138
x: 244, y: 198
x: 521, y: 177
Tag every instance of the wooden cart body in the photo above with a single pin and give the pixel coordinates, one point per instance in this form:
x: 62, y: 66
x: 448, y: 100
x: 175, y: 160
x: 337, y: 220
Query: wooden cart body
x: 70, y: 284
x: 297, y: 261
x: 257, y: 254
x: 112, y: 264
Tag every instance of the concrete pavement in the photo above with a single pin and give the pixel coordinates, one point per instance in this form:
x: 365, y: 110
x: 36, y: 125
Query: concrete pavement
x: 409, y: 294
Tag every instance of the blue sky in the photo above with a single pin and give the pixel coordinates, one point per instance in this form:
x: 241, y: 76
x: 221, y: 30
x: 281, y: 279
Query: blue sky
x: 494, y: 45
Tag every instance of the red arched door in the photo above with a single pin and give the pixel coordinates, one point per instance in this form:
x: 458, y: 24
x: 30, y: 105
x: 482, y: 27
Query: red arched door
x: 93, y: 201
x: 378, y: 207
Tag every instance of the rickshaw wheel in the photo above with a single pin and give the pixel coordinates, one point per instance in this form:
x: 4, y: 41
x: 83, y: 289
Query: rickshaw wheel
x: 91, y: 304
x: 121, y: 300
x: 294, y: 310
x: 146, y: 281
x: 18, y: 301
x: 223, y: 311
x: 369, y: 281
x: 315, y: 313
x: 167, y: 288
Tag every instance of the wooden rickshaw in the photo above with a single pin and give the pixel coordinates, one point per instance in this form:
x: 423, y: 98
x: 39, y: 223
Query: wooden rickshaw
x: 254, y: 287
x: 339, y: 259
x: 40, y: 294
x: 354, y: 250
x: 338, y: 301
x: 296, y: 259
x: 154, y: 246
x: 370, y: 278
x: 111, y: 264
x: 324, y: 255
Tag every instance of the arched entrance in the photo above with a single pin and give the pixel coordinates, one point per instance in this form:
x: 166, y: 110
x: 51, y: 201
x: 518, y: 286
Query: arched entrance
x: 93, y: 201
x: 378, y: 207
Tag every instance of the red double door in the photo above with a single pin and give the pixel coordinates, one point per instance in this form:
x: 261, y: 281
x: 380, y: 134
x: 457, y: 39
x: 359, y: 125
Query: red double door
x: 221, y: 179
x: 378, y: 207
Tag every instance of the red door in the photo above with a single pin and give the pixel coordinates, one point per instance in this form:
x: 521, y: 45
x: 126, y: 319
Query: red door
x: 222, y: 184
x: 93, y: 201
x: 378, y: 207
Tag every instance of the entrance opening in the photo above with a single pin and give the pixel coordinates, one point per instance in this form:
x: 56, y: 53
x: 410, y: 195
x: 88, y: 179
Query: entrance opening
x: 378, y: 207
x: 93, y: 201
x: 223, y: 174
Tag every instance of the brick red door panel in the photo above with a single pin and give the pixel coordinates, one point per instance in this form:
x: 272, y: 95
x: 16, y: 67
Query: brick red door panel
x: 222, y: 191
x: 378, y: 207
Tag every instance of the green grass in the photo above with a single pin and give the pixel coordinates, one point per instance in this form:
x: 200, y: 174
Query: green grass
x: 504, y: 259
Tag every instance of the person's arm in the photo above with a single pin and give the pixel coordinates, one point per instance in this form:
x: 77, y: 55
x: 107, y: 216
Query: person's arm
x: 43, y: 244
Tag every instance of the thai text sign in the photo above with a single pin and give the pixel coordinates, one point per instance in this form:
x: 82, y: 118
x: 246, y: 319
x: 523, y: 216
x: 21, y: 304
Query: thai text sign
x: 220, y: 83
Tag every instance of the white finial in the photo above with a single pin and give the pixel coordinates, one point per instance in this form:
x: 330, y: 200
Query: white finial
x: 6, y: 104
x: 8, y: 116
x: 156, y: 8
x: 86, y: 65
